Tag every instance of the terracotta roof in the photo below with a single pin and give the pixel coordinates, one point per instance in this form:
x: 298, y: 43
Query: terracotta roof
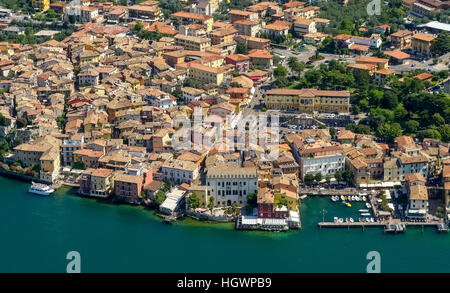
x: 184, y: 14
x: 102, y: 172
x: 240, y: 12
x: 397, y: 54
x: 418, y: 192
x: 423, y: 76
x: 385, y: 71
x: 263, y: 54
x: 371, y: 60
x: 424, y: 37
x: 238, y: 57
x: 410, y: 177
x: 401, y: 33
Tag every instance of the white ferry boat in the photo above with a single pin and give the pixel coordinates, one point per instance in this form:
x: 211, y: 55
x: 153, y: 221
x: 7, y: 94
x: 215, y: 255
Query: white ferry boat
x: 40, y: 189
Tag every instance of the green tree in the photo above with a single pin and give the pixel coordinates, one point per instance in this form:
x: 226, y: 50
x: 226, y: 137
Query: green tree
x: 318, y: 177
x: 211, y: 203
x: 338, y: 175
x: 389, y: 131
x: 280, y: 71
x: 241, y: 48
x: 428, y: 133
x: 411, y: 126
x: 159, y: 198
x: 79, y: 165
x: 309, y: 179
x: 348, y: 176
x: 194, y: 201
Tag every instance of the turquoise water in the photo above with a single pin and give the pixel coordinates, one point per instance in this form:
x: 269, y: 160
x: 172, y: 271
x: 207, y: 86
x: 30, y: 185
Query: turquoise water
x: 37, y: 232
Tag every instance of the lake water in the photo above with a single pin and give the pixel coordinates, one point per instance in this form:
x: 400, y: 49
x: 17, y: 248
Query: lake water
x: 37, y: 233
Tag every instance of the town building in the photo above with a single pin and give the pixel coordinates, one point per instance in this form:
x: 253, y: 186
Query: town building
x: 308, y: 100
x: 228, y: 185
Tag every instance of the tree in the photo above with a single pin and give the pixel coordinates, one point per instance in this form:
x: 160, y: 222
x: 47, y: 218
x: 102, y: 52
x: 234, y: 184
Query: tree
x: 309, y: 179
x: 411, y: 126
x: 428, y: 133
x: 159, y: 198
x: 318, y: 177
x: 348, y: 176
x: 211, y: 203
x: 444, y: 130
x: 194, y: 201
x: 3, y: 120
x: 79, y: 165
x: 338, y: 175
x: 389, y: 131
x: 280, y: 71
x: 442, y: 45
x: 241, y: 48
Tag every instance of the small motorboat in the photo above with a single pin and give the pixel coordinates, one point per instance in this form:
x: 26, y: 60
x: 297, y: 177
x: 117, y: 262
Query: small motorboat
x: 334, y: 198
x: 358, y: 198
x: 346, y: 220
x: 363, y: 210
x: 372, y: 220
x: 351, y: 220
x: 365, y: 214
x: 348, y: 204
x: 350, y: 198
x: 341, y: 220
x: 368, y: 205
x: 303, y: 196
x: 342, y: 198
x: 364, y: 198
x: 335, y: 219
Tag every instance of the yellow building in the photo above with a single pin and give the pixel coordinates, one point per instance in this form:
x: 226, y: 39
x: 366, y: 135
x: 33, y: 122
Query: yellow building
x: 88, y: 57
x: 41, y: 4
x: 205, y: 74
x: 287, y: 197
x: 43, y: 152
x: 192, y: 43
x: 308, y: 100
x: 97, y: 182
x: 183, y: 18
x: 422, y: 44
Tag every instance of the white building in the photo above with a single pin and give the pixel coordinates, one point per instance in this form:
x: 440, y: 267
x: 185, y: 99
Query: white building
x: 191, y: 94
x: 319, y: 157
x: 228, y: 185
x: 374, y: 41
x: 179, y: 171
x: 174, y: 202
x: 88, y: 77
x: 303, y: 26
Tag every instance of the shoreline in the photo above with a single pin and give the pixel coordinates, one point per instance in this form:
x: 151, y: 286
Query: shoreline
x: 195, y: 221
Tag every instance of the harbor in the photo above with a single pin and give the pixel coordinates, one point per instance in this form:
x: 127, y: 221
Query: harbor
x: 113, y: 226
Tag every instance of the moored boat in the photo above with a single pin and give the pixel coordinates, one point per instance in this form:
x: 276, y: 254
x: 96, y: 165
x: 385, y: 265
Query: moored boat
x: 368, y: 205
x: 41, y: 189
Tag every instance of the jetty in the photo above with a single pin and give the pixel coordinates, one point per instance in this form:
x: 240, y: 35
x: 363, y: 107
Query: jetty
x: 393, y: 226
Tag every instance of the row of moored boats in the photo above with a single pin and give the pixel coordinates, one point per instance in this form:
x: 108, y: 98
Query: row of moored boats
x: 351, y: 220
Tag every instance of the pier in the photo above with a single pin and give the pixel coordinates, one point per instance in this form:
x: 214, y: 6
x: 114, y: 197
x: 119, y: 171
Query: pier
x: 393, y: 226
